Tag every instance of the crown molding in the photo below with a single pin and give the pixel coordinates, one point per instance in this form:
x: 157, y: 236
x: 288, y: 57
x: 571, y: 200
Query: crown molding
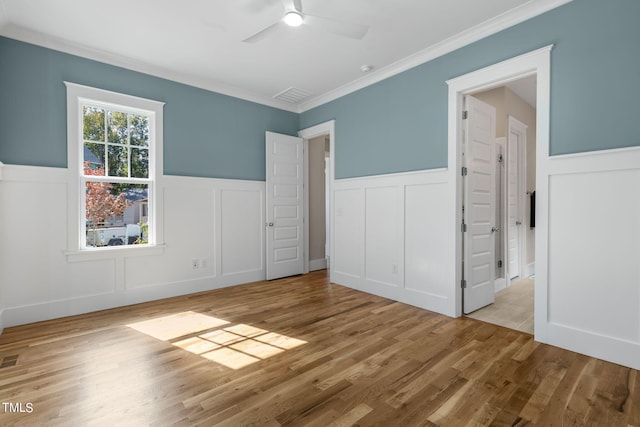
x: 508, y: 19
x: 32, y: 37
x: 494, y: 25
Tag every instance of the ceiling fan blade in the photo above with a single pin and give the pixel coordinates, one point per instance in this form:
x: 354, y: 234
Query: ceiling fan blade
x: 341, y: 28
x: 292, y: 5
x: 264, y: 33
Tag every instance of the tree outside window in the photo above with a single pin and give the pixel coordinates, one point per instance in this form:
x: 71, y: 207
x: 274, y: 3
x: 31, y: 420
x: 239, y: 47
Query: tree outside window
x: 116, y: 153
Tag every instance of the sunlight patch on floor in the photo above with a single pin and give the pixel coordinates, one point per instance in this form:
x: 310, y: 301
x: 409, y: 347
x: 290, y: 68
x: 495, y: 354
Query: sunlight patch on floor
x: 234, y: 346
x: 177, y: 325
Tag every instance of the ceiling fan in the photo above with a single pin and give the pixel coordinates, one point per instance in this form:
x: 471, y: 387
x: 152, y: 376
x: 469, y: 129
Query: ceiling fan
x: 294, y: 17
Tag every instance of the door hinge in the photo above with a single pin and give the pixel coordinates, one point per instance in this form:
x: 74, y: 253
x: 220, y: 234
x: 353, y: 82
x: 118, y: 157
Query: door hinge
x: 500, y: 158
x: 500, y: 264
x: 463, y: 227
x: 463, y: 284
x: 464, y: 171
x: 465, y: 114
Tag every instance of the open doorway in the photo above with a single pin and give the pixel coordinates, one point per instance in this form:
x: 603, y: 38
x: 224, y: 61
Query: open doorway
x: 319, y: 148
x: 514, y: 181
x: 538, y: 63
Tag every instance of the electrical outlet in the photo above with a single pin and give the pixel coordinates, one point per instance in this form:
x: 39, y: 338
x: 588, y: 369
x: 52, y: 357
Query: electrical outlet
x: 195, y: 264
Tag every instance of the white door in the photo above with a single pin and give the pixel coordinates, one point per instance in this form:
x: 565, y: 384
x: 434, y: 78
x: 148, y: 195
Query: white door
x: 513, y: 205
x: 501, y: 209
x: 284, y: 205
x: 479, y: 204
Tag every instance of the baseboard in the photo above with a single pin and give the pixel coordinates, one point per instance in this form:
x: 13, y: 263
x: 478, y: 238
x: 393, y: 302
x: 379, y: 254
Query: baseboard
x: 317, y: 264
x: 592, y: 344
x: 531, y: 270
x: 431, y: 302
x: 1, y: 313
x: 500, y: 284
x: 22, y: 315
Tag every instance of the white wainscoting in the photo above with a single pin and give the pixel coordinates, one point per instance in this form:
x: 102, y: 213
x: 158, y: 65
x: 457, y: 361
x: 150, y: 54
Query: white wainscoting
x: 391, y: 238
x: 218, y: 223
x: 593, y: 281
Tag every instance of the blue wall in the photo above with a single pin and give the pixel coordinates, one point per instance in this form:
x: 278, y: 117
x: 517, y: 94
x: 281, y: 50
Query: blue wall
x: 400, y: 124
x: 205, y: 133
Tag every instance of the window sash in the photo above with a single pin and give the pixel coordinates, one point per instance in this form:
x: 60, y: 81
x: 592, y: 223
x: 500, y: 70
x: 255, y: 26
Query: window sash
x: 77, y: 97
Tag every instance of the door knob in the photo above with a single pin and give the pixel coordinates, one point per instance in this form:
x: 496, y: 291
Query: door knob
x: 518, y: 223
x: 495, y: 229
x: 270, y: 224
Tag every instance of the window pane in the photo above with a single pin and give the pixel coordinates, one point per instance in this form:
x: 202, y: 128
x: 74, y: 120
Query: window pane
x: 139, y: 162
x: 115, y: 214
x: 139, y: 130
x: 93, y: 123
x: 118, y: 161
x: 118, y: 133
x: 93, y: 159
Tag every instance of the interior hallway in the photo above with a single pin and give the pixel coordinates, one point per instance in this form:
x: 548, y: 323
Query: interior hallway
x: 513, y: 307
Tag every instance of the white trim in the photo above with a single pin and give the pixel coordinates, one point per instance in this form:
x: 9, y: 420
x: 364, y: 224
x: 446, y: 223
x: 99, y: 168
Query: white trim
x: 595, y: 161
x: 394, y: 176
x: 536, y: 62
x: 494, y: 25
x: 618, y: 351
x: 426, y: 176
x: 1, y: 321
x: 24, y: 173
x: 77, y: 94
x: 1, y: 167
x: 322, y: 129
x: 114, y: 251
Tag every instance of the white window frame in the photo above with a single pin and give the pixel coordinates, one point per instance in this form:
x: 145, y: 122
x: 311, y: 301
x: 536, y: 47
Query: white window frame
x: 78, y: 95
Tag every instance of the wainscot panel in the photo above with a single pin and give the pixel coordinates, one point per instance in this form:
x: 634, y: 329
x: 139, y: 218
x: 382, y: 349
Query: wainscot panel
x: 403, y: 251
x: 40, y: 281
x: 594, y: 248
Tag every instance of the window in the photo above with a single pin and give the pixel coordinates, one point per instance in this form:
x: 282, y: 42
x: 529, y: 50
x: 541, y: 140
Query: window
x: 115, y: 148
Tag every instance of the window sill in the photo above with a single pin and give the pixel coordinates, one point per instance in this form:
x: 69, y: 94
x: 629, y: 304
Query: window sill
x: 113, y: 252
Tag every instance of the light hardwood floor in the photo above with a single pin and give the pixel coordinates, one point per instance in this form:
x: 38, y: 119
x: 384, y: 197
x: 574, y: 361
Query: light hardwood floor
x: 300, y: 351
x: 513, y: 307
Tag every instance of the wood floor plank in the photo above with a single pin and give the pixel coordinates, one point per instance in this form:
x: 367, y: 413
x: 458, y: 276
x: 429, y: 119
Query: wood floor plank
x: 300, y: 351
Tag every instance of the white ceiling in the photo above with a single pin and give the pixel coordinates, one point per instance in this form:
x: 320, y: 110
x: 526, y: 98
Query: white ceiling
x: 199, y: 42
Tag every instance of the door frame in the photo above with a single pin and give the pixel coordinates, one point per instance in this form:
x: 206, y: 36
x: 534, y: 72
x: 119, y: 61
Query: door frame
x: 322, y: 129
x: 537, y: 62
x: 513, y: 124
